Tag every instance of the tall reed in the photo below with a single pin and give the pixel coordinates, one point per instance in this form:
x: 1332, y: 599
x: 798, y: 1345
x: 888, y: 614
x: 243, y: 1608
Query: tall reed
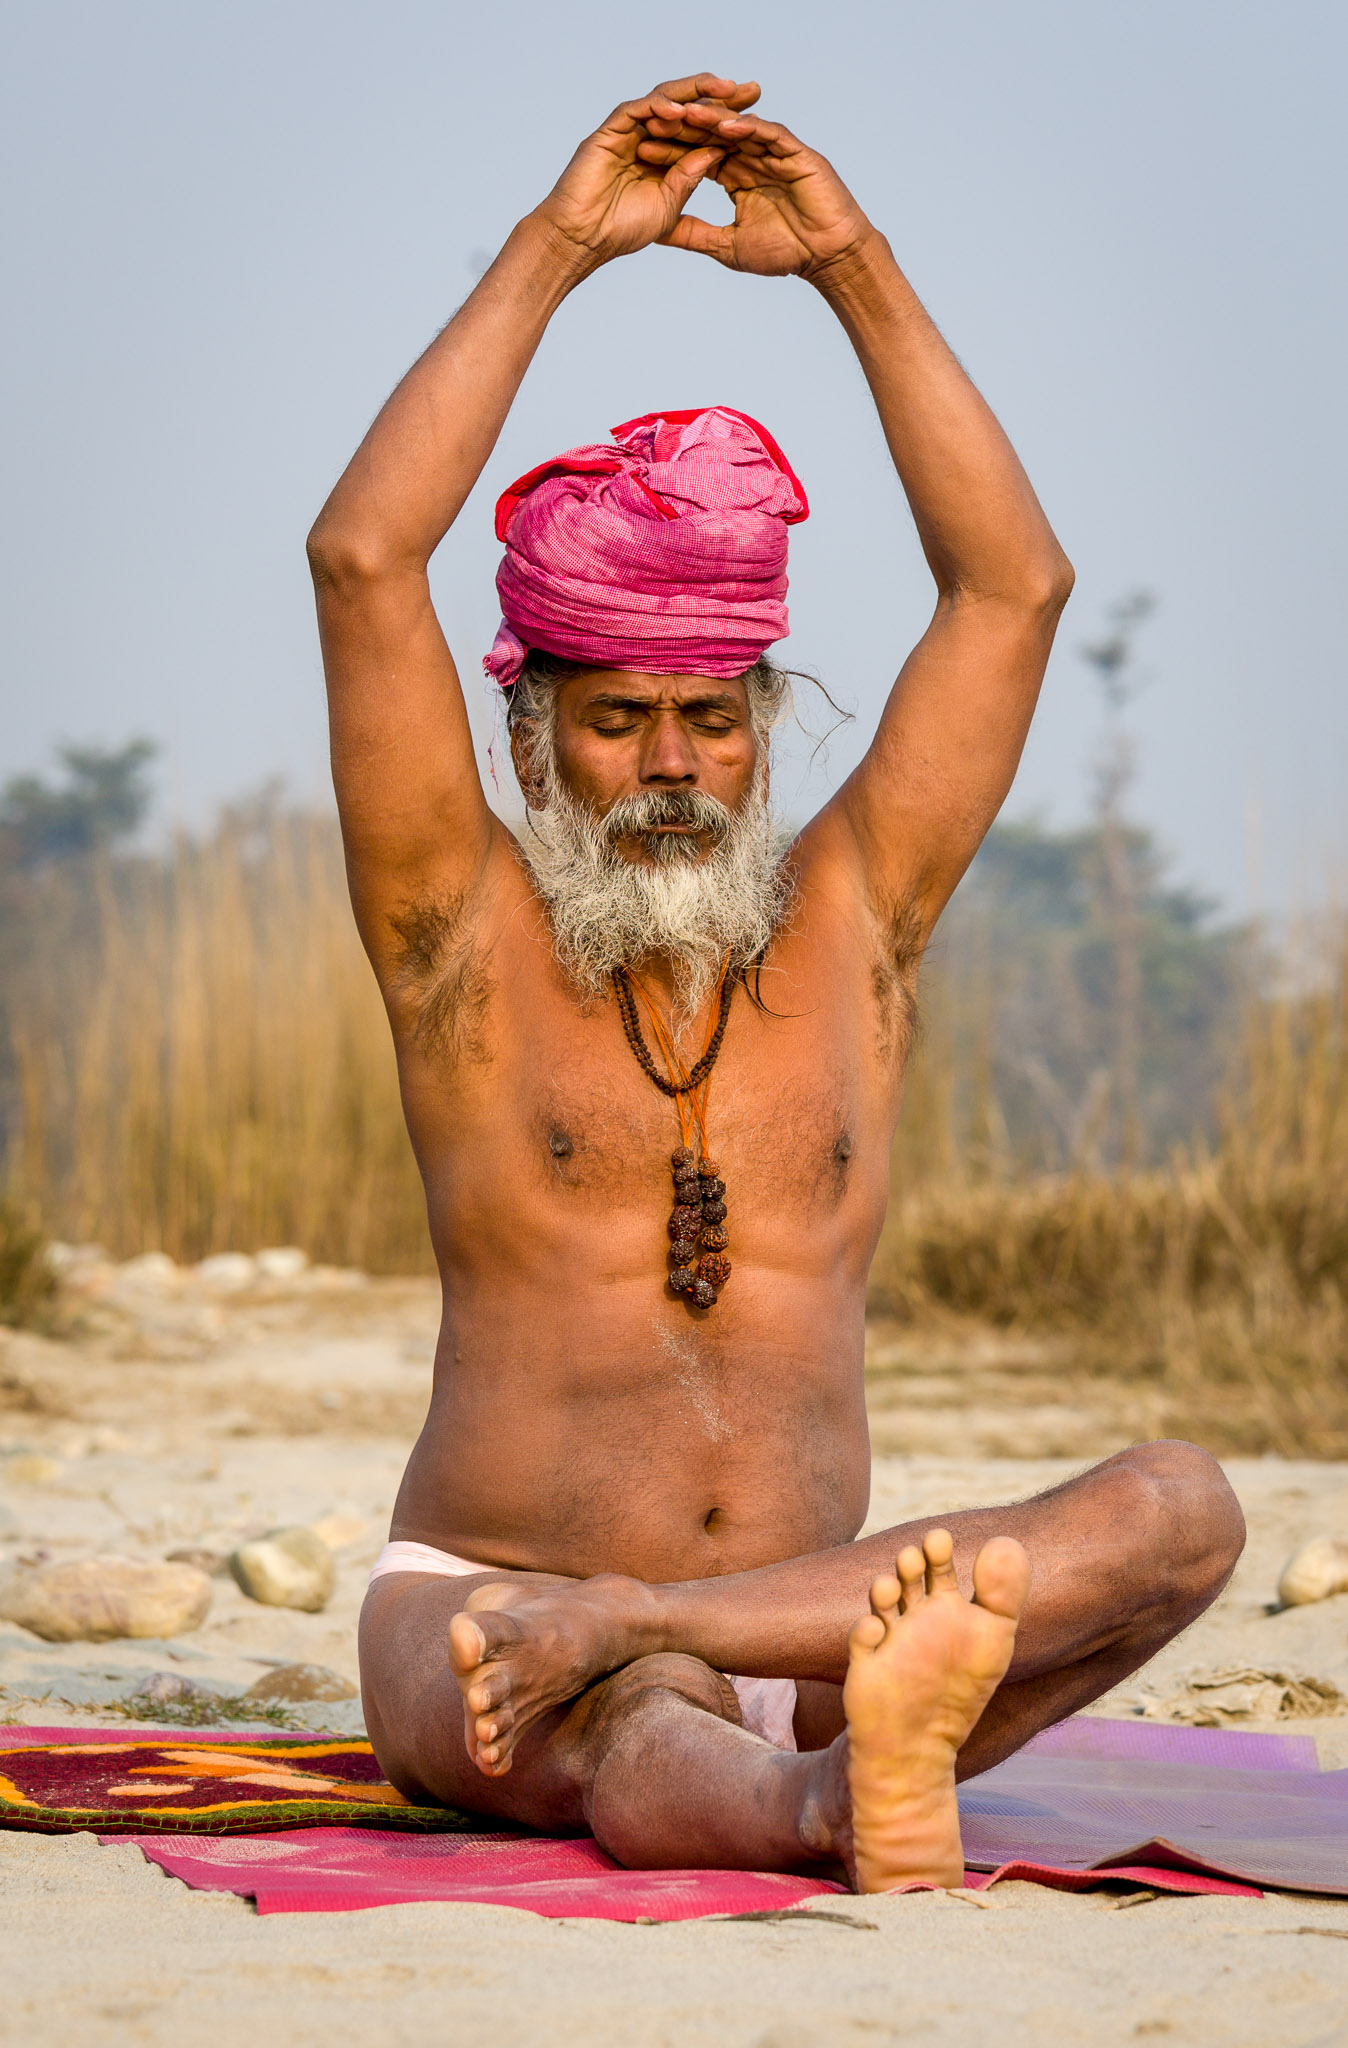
x: 1225, y: 1277
x: 213, y: 1070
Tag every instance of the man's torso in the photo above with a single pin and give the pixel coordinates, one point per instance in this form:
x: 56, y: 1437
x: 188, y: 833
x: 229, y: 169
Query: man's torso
x: 584, y: 1418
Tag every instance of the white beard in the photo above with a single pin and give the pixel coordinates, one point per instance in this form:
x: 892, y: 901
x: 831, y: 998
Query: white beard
x: 608, y: 911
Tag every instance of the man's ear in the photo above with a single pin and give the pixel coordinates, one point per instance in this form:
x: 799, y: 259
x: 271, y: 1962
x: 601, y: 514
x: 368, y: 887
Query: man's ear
x: 521, y: 754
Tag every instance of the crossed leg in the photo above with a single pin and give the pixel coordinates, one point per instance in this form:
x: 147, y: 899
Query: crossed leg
x: 1122, y: 1558
x: 652, y: 1761
x: 599, y: 1704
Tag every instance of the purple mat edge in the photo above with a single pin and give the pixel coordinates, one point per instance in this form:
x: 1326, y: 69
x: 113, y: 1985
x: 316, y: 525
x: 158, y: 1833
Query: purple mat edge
x: 1091, y: 1735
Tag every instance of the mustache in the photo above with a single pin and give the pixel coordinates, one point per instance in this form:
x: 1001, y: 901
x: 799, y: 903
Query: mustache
x: 641, y: 815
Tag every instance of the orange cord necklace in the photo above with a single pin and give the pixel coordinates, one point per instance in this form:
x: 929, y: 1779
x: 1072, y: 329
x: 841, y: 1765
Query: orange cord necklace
x: 699, y: 1266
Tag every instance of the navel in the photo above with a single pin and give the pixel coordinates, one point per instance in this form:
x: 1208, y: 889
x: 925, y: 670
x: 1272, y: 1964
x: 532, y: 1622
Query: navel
x: 560, y: 1145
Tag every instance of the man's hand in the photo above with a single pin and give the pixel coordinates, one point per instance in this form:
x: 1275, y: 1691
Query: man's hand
x: 614, y: 198
x: 793, y: 214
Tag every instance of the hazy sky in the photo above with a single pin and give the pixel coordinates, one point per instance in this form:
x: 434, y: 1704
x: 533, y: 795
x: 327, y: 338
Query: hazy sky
x: 232, y: 226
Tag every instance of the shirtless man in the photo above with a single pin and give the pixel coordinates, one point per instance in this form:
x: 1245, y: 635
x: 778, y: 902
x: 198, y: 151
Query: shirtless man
x: 624, y: 1492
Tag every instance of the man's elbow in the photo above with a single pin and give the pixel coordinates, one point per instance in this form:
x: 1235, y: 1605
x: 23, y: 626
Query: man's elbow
x: 1048, y: 583
x: 343, y: 558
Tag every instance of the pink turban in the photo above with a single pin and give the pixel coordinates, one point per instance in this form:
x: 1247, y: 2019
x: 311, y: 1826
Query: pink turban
x: 663, y: 550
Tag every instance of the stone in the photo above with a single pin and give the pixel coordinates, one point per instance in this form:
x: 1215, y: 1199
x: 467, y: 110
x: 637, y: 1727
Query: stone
x: 282, y: 1262
x: 98, y: 1599
x: 1244, y: 1692
x: 150, y: 1270
x: 301, y: 1682
x: 212, y: 1562
x: 228, y: 1272
x: 337, y: 1530
x: 1316, y: 1571
x: 286, y: 1568
x: 29, y: 1468
x: 171, y: 1689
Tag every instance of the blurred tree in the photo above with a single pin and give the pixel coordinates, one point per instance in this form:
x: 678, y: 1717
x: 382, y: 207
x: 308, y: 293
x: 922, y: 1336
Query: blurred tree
x: 102, y: 800
x: 1114, y: 659
x: 1024, y: 998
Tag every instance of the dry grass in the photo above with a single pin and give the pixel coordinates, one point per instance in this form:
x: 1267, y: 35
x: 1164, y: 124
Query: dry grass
x: 212, y: 1069
x: 201, y: 1063
x: 1224, y: 1279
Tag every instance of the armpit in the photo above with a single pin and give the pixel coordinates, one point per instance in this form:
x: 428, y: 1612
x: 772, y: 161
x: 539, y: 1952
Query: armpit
x: 443, y: 971
x: 898, y: 955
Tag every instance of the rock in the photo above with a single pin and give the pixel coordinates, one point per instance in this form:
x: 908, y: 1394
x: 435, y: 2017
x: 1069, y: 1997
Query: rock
x: 150, y: 1270
x: 1314, y: 1572
x: 213, y: 1562
x: 29, y: 1468
x: 228, y: 1272
x: 301, y: 1682
x: 1244, y: 1692
x: 100, y: 1598
x: 286, y: 1568
x: 339, y: 1530
x: 282, y: 1262
x: 171, y: 1689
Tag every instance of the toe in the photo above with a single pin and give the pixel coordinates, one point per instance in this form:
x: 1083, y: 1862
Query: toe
x: 912, y: 1569
x: 939, y: 1548
x: 867, y: 1635
x: 1002, y: 1576
x: 886, y: 1592
x: 467, y: 1645
x: 495, y: 1726
x: 490, y: 1686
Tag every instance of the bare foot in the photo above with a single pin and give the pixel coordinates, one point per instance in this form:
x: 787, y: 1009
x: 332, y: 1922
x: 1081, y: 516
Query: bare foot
x: 921, y: 1668
x: 517, y: 1652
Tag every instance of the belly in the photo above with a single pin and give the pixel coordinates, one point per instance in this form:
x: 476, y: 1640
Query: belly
x: 614, y: 1431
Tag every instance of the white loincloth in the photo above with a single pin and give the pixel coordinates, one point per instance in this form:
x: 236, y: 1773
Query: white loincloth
x: 768, y: 1705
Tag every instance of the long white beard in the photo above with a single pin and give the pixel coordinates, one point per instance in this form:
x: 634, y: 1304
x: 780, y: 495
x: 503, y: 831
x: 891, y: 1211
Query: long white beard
x: 608, y: 911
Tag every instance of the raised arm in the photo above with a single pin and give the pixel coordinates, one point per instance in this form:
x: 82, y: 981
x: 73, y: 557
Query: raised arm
x: 414, y: 816
x: 912, y: 816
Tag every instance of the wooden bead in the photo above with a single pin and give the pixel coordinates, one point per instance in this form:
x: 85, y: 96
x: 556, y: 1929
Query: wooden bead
x: 683, y: 1278
x: 683, y: 1250
x: 689, y: 1191
x: 684, y: 1221
x: 714, y: 1268
x: 707, y: 1169
x: 712, y: 1190
x: 713, y: 1212
x: 713, y: 1238
x: 703, y: 1293
x: 682, y: 1159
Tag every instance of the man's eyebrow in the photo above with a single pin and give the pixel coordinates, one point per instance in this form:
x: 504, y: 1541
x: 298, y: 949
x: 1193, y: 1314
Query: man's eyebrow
x: 722, y: 700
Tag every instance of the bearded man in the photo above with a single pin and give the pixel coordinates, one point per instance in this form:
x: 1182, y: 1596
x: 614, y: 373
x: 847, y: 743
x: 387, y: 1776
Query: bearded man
x: 624, y: 1590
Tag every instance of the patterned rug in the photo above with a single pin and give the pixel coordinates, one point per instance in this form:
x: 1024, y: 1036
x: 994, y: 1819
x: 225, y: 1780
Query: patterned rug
x: 141, y: 1784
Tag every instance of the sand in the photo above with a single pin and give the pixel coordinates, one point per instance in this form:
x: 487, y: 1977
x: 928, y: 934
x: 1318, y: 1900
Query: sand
x: 181, y: 1417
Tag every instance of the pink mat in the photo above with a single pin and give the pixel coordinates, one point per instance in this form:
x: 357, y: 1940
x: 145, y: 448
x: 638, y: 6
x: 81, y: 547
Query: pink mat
x: 1088, y: 1802
x: 325, y: 1870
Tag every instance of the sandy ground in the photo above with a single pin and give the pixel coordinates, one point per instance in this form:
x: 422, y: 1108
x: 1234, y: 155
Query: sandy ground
x: 182, y: 1416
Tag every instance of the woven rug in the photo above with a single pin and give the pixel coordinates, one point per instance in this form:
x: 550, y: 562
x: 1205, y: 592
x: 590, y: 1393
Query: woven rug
x: 1088, y: 1803
x: 58, y: 1781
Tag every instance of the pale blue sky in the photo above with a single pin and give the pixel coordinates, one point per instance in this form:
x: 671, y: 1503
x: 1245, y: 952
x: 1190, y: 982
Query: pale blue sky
x: 231, y: 227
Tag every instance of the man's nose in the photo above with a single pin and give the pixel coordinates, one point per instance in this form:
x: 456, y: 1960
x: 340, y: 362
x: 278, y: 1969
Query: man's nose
x: 668, y: 755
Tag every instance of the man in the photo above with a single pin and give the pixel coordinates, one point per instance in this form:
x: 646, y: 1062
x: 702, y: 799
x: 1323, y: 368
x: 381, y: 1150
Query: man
x: 623, y: 1591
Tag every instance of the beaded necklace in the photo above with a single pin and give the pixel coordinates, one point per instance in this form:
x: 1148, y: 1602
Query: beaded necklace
x: 699, y: 1267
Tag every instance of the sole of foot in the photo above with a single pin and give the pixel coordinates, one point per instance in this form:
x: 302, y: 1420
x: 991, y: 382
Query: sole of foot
x: 922, y: 1666
x: 520, y: 1648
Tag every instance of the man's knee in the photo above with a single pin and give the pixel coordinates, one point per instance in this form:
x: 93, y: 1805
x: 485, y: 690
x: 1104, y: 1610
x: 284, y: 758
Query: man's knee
x: 650, y: 1679
x: 1183, y: 1507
